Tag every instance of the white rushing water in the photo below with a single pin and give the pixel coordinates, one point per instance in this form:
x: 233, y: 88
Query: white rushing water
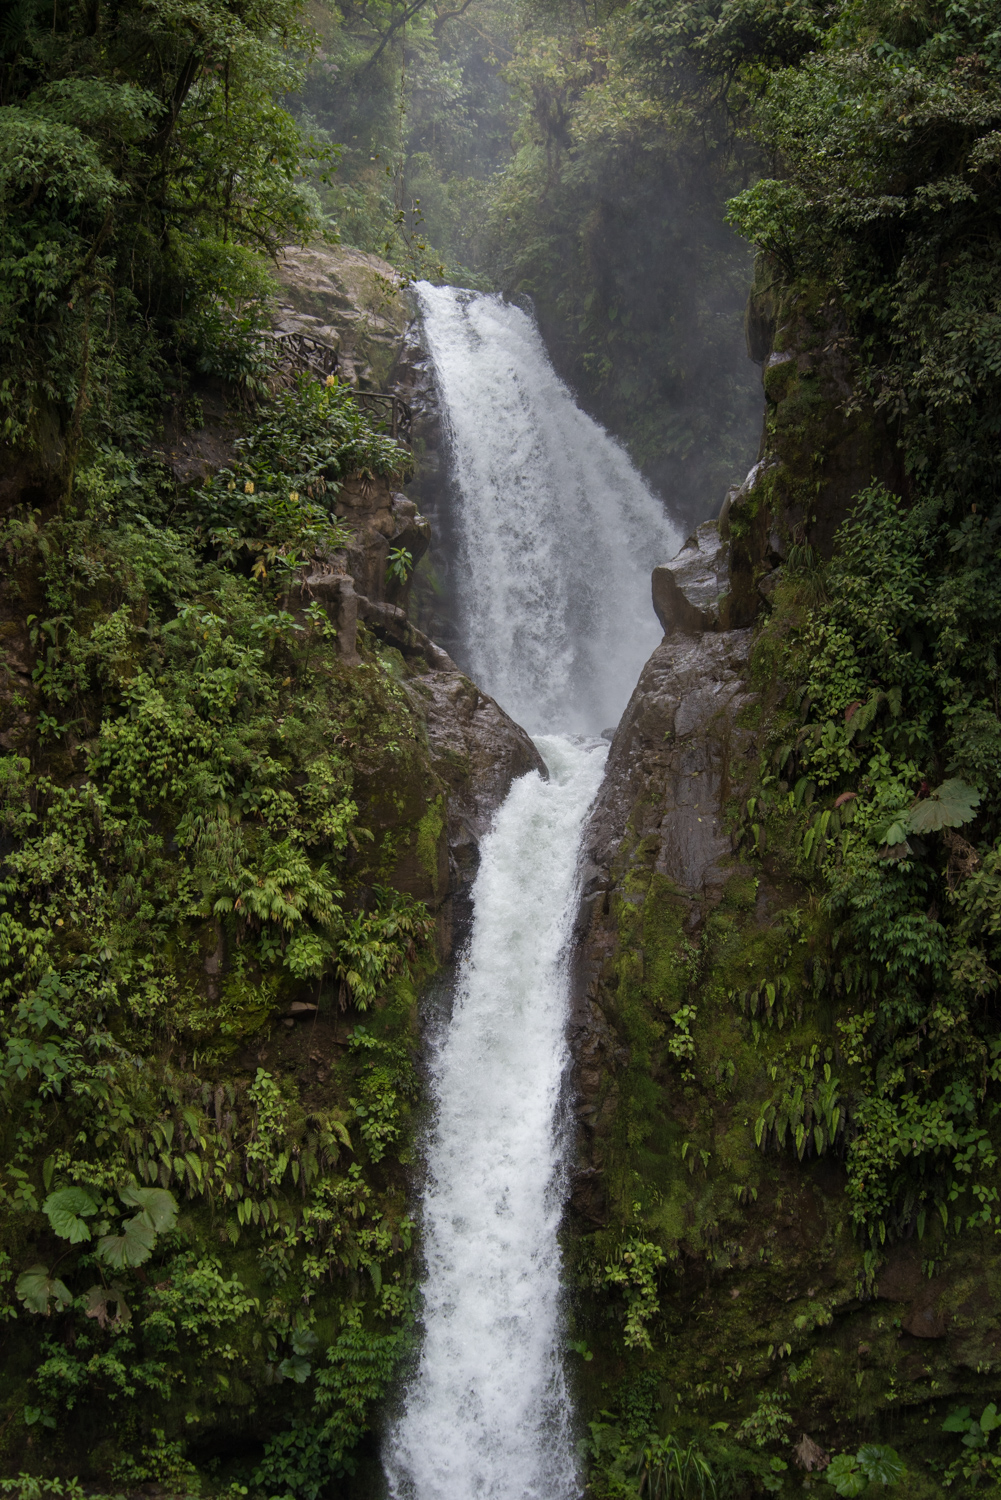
x: 488, y: 1414
x: 558, y: 537
x: 557, y: 532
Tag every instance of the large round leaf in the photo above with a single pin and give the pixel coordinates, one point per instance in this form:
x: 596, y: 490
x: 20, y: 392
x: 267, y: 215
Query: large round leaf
x: 949, y: 806
x: 159, y: 1208
x: 36, y: 1287
x: 130, y: 1248
x: 880, y: 1464
x: 66, y: 1210
x: 847, y: 1478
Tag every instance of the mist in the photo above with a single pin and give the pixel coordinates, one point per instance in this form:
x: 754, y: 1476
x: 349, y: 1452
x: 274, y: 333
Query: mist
x: 493, y: 146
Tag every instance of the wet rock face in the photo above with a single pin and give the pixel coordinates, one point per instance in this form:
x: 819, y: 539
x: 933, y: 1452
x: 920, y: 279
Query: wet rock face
x: 670, y: 765
x: 478, y: 751
x: 687, y: 591
x: 659, y: 816
x: 413, y: 379
x: 348, y: 301
x: 658, y: 825
x: 354, y: 584
x: 383, y: 521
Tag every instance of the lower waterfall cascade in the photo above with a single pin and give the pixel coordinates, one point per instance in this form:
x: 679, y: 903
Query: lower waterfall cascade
x: 557, y: 537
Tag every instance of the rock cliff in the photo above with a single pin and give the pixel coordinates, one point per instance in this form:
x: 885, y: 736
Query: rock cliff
x: 721, y: 1276
x: 342, y: 311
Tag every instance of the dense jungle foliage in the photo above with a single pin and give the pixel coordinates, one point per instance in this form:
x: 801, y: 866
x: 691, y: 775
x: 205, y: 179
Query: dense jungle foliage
x: 207, y: 973
x: 202, y: 1208
x: 841, y: 1059
x: 889, y: 209
x: 203, y: 1222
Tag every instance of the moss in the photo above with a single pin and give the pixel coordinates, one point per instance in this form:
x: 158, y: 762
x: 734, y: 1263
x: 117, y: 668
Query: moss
x: 429, y: 831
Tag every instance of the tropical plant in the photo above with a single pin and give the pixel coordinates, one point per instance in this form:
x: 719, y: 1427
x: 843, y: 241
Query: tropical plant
x: 859, y: 1474
x: 977, y: 1462
x: 400, y: 564
x: 671, y: 1470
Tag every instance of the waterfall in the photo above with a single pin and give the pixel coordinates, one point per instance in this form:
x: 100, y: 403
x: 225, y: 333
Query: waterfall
x: 558, y: 535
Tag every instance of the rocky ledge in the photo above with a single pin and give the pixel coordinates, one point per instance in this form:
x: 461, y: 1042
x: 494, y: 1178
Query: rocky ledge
x: 658, y: 821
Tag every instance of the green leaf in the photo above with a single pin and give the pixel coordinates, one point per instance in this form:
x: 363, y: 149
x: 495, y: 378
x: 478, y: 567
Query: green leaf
x: 843, y: 1473
x: 896, y: 831
x: 159, y: 1208
x: 36, y: 1287
x: 948, y: 806
x: 881, y: 1465
x: 958, y: 1420
x: 33, y: 1414
x: 295, y: 1368
x: 130, y: 1248
x: 989, y: 1418
x: 66, y: 1211
x: 304, y: 1341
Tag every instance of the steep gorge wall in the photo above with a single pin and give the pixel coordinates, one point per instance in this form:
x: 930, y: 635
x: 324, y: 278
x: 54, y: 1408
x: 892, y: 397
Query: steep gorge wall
x: 722, y: 1286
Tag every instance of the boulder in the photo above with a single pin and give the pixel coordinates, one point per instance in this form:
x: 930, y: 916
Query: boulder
x: 390, y: 623
x: 348, y: 300
x: 670, y: 765
x: 688, y: 589
x: 477, y: 750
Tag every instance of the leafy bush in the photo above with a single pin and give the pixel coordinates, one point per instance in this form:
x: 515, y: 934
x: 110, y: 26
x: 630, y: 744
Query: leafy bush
x: 859, y: 1474
x: 670, y: 1470
x: 184, y: 850
x: 145, y: 164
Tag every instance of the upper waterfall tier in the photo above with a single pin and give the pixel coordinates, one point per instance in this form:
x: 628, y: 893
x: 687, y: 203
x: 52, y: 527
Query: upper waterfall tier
x: 557, y: 532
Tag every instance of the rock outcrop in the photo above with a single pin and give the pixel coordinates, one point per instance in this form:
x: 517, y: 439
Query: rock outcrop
x: 688, y: 590
x: 382, y: 520
x: 349, y: 301
x: 672, y: 764
x: 353, y: 585
x: 657, y: 839
x: 338, y: 310
x: 478, y: 751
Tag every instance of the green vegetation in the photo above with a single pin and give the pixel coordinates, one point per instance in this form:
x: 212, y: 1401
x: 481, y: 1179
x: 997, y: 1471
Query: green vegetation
x: 800, y: 1157
x: 206, y: 807
x: 861, y: 1473
x: 199, y: 1215
x: 204, y: 1268
x: 145, y: 162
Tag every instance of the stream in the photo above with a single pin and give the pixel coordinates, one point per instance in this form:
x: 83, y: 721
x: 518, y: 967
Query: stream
x: 557, y: 535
